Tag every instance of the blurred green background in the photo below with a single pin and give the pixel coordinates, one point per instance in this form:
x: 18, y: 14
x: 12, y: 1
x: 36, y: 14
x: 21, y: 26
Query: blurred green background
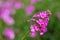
x: 23, y: 26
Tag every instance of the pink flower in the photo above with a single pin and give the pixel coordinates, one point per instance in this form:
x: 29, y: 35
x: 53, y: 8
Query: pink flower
x: 8, y: 20
x: 6, y: 11
x: 43, y: 14
x: 42, y: 30
x: 29, y: 9
x: 40, y: 21
x: 6, y: 17
x: 9, y: 33
x: 18, y: 5
x: 33, y: 34
x: 34, y: 1
x: 36, y: 27
x: 32, y: 28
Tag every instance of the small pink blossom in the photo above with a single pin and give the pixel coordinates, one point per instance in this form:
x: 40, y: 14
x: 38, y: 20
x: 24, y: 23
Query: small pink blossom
x: 43, y: 30
x: 6, y: 11
x: 29, y: 9
x: 18, y: 5
x: 6, y: 17
x: 32, y: 28
x: 34, y: 1
x: 9, y: 33
x: 9, y: 20
x: 36, y: 27
x: 43, y: 14
x: 40, y: 21
x: 33, y: 34
x: 41, y: 33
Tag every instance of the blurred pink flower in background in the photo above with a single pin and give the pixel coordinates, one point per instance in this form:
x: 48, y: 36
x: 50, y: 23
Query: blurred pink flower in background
x: 8, y: 20
x: 32, y: 28
x: 41, y: 20
x: 29, y: 9
x: 5, y: 15
x: 7, y: 9
x: 34, y: 1
x: 18, y: 5
x: 9, y: 33
x: 33, y: 34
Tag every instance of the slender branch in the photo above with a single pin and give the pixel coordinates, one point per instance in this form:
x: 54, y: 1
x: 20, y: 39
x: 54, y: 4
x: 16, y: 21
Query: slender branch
x: 26, y: 34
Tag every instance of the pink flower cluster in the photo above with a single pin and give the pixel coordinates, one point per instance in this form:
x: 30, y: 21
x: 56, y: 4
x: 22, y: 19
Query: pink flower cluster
x: 41, y: 21
x: 7, y: 9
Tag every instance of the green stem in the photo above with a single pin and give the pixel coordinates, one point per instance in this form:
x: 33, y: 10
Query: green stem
x: 26, y: 34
